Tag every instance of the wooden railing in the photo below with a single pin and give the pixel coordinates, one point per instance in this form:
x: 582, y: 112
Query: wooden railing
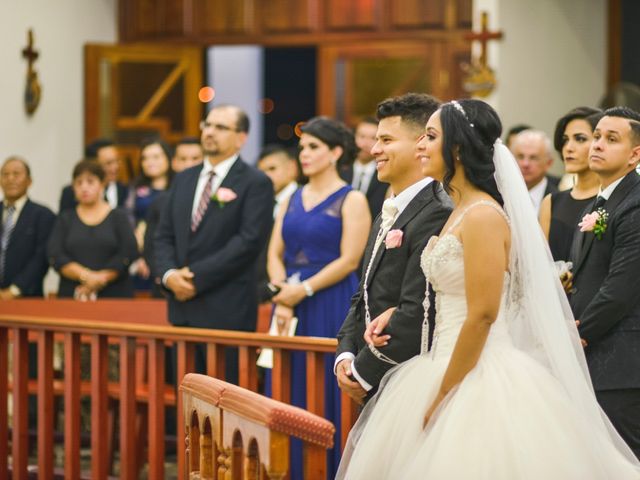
x: 233, y: 433
x: 134, y: 388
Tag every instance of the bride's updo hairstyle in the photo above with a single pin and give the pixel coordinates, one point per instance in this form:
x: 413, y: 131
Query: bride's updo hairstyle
x: 469, y: 130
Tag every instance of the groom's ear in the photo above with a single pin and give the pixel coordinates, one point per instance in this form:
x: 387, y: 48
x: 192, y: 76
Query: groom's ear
x: 635, y: 155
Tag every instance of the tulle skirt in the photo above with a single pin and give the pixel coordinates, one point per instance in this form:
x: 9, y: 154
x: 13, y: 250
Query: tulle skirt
x: 509, y: 419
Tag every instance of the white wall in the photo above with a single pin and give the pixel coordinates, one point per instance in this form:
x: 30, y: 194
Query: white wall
x: 237, y: 74
x: 552, y: 58
x: 52, y: 139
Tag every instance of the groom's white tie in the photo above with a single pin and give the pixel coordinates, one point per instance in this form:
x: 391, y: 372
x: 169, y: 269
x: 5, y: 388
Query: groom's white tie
x: 389, y: 213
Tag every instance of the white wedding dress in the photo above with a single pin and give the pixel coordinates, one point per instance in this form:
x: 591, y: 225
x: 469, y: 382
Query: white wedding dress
x: 509, y: 419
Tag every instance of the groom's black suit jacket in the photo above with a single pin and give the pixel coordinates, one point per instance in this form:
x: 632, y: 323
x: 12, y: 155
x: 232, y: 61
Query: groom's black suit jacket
x: 396, y: 280
x: 606, y: 297
x: 223, y: 251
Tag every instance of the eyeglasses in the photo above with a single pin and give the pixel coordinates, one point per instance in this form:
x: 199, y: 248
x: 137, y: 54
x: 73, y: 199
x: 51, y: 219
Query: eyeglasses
x: 217, y: 126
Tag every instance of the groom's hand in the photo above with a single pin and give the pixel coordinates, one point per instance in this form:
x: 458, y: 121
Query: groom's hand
x: 347, y: 385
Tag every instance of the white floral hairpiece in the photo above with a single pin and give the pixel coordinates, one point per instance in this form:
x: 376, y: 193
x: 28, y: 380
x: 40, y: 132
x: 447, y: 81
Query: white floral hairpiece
x: 458, y: 107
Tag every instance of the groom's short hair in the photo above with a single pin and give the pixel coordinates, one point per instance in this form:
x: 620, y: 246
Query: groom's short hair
x: 632, y: 116
x: 413, y: 109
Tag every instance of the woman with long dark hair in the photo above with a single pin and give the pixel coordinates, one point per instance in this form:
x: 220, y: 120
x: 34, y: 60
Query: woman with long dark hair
x: 504, y: 392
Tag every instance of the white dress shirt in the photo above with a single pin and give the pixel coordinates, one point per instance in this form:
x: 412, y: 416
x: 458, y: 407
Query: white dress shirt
x: 221, y: 170
x: 537, y: 193
x: 606, y: 193
x: 111, y: 194
x: 282, y: 195
x: 19, y: 205
x: 402, y: 200
x: 362, y: 175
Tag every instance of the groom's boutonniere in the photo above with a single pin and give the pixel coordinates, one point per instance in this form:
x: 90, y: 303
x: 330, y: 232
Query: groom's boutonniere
x: 595, y: 222
x: 393, y: 239
x: 223, y: 196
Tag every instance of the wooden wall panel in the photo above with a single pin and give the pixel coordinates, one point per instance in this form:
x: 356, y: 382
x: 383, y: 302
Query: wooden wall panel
x: 464, y: 11
x: 289, y: 16
x: 353, y: 15
x: 152, y: 19
x: 418, y: 14
x: 222, y: 17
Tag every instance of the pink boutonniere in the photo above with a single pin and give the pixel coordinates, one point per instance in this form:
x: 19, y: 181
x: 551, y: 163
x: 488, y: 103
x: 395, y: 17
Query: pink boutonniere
x: 143, y: 191
x: 595, y: 222
x: 223, y: 196
x: 393, y: 239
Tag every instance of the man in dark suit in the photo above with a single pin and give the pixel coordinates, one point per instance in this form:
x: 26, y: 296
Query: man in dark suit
x: 115, y: 193
x: 361, y: 174
x: 24, y: 232
x: 188, y: 153
x: 532, y: 149
x: 217, y: 218
x: 606, y: 280
x: 393, y: 285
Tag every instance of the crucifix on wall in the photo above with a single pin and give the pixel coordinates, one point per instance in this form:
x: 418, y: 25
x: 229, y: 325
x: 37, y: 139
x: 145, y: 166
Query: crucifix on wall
x: 32, y: 90
x: 480, y: 79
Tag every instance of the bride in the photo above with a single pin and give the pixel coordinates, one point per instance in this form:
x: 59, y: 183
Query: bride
x: 503, y: 392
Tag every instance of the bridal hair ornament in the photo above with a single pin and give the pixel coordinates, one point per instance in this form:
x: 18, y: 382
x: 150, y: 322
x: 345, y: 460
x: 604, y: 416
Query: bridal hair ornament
x: 459, y: 108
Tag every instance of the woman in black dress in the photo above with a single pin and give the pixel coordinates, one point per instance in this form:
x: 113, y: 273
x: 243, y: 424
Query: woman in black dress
x: 561, y: 212
x: 92, y: 246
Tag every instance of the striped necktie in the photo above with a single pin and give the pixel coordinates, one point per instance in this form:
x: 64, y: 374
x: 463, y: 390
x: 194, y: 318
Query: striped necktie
x: 7, y: 229
x: 203, y: 204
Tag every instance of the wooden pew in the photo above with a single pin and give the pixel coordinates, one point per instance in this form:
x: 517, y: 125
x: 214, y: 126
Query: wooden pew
x: 133, y: 388
x: 233, y: 433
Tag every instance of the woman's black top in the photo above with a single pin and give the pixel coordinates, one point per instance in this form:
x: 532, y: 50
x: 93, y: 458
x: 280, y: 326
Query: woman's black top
x: 566, y: 213
x: 110, y: 245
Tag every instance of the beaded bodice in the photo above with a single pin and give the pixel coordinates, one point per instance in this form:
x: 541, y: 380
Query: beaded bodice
x: 442, y: 262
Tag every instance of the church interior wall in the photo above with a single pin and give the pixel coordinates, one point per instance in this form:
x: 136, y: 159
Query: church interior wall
x: 553, y: 57
x: 52, y: 139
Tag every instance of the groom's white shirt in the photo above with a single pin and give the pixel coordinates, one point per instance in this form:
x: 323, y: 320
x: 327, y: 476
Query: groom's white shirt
x: 400, y: 201
x: 606, y: 193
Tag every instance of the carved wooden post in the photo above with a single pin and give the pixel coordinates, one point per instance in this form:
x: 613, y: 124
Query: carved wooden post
x: 72, y: 405
x: 45, y: 405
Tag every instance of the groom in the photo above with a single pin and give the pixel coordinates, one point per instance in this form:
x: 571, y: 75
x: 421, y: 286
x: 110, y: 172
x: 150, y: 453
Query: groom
x: 606, y: 281
x: 392, y: 283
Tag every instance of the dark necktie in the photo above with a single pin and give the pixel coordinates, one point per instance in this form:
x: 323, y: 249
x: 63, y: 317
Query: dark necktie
x: 600, y: 201
x: 203, y: 204
x: 7, y: 230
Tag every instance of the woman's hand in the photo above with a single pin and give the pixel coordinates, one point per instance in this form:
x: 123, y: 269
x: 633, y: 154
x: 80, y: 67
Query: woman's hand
x: 83, y: 293
x: 143, y: 269
x: 432, y: 408
x: 94, y: 281
x: 290, y: 295
x: 373, y: 333
x: 283, y: 315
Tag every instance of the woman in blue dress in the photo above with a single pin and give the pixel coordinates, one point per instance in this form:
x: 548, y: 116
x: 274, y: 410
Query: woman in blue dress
x: 317, y: 242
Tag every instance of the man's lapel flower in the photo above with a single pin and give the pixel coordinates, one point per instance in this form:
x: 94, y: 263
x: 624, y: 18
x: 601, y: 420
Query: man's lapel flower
x: 393, y: 239
x: 595, y: 222
x: 223, y: 196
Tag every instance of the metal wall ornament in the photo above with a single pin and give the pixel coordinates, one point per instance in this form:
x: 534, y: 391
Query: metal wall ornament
x: 480, y: 79
x: 33, y: 89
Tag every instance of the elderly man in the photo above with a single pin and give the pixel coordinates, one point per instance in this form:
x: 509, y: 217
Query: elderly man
x: 24, y: 231
x: 532, y: 149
